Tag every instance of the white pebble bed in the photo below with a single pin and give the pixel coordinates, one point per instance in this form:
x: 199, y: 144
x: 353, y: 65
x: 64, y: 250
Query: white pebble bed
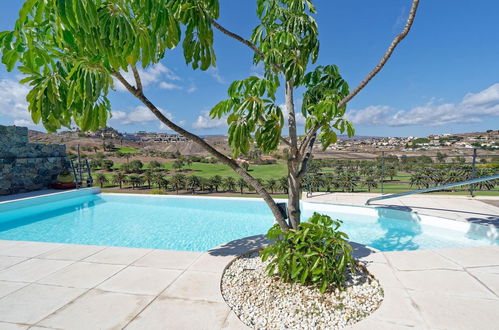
x: 264, y: 302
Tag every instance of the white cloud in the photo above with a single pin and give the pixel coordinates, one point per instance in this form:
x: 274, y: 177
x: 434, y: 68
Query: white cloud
x: 300, y: 119
x: 13, y: 104
x: 205, y: 122
x: 192, y: 89
x: 139, y: 114
x: 213, y: 71
x: 153, y: 75
x: 169, y: 86
x: 472, y: 109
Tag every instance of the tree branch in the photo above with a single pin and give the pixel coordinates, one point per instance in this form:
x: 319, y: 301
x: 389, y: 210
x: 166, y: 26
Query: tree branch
x: 377, y: 68
x: 224, y: 159
x: 306, y: 157
x: 386, y: 56
x: 238, y: 38
x: 136, y: 75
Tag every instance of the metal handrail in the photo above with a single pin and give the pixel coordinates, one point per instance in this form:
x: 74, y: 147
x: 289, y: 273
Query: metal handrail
x: 425, y: 190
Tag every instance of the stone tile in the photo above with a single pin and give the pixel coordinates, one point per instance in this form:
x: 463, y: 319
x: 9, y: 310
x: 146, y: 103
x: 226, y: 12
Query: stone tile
x: 444, y: 282
x: 98, y: 310
x: 384, y: 274
x: 194, y: 285
x: 32, y: 270
x: 30, y: 249
x: 488, y: 277
x: 209, y: 263
x: 452, y: 312
x: 7, y: 288
x: 373, y: 324
x: 168, y: 259
x: 165, y: 313
x: 472, y: 257
x: 12, y: 326
x: 140, y: 280
x: 419, y: 260
x: 34, y: 302
x: 5, y: 245
x: 84, y: 275
x: 232, y: 322
x: 397, y: 308
x: 6, y: 261
x: 378, y: 257
x: 72, y: 252
x: 117, y: 255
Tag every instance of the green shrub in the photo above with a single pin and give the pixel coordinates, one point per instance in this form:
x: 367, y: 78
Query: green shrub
x: 316, y: 254
x: 157, y: 192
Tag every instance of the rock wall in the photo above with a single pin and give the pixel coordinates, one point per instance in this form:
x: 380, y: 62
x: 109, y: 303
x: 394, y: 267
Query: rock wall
x: 27, y: 166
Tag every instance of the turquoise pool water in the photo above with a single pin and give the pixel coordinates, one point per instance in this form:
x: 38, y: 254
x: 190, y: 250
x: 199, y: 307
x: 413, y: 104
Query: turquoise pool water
x: 196, y: 224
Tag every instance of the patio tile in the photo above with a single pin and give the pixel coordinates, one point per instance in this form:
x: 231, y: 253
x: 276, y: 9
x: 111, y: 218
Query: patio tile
x: 34, y: 302
x: 384, y: 274
x: 82, y: 275
x: 444, y: 282
x: 117, y: 255
x: 210, y: 263
x: 373, y: 324
x: 7, y: 288
x: 32, y: 270
x: 397, y: 308
x: 71, y: 252
x: 168, y: 259
x: 12, y: 326
x: 140, y: 280
x: 378, y: 257
x: 98, y: 310
x: 232, y: 322
x: 30, y: 249
x: 452, y: 312
x: 166, y: 313
x: 488, y: 276
x: 6, y: 244
x: 6, y: 261
x: 472, y: 257
x: 419, y: 260
x: 194, y: 285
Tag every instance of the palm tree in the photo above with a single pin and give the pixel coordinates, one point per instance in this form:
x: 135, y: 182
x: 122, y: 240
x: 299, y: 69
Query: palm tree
x: 349, y: 181
x: 160, y: 181
x: 370, y: 182
x: 271, y: 184
x: 148, y: 176
x: 203, y: 183
x: 216, y: 181
x: 119, y: 178
x: 282, y: 184
x: 136, y: 181
x: 229, y: 183
x: 192, y: 183
x: 418, y: 179
x: 101, y: 179
x: 242, y: 184
x: 178, y: 164
x: 178, y: 182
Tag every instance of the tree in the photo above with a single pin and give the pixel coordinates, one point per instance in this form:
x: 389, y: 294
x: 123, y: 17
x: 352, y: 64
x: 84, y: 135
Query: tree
x: 107, y: 164
x: 160, y: 181
x: 119, y: 178
x: 282, y: 184
x: 154, y: 165
x: 370, y: 182
x: 229, y: 183
x: 216, y: 181
x: 192, y: 183
x: 101, y: 179
x: 178, y: 164
x: 70, y: 54
x: 149, y: 176
x: 241, y: 183
x: 441, y: 157
x: 136, y: 166
x: 178, y: 182
x: 271, y: 184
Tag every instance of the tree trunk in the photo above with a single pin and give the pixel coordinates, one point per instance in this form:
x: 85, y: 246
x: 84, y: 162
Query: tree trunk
x: 224, y: 159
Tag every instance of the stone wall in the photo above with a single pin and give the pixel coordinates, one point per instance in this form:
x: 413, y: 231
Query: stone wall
x: 27, y: 166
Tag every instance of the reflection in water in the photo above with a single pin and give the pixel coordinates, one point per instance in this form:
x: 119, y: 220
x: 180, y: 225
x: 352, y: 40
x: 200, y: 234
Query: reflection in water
x: 399, y: 233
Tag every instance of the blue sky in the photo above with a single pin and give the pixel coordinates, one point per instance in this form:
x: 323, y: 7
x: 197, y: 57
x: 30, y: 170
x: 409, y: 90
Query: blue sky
x: 443, y: 78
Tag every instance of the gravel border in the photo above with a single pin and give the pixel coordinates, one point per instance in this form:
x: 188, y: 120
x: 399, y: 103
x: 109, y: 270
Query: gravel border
x: 264, y: 302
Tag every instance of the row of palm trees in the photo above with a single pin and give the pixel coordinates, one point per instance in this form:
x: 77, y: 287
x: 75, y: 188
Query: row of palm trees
x: 191, y: 183
x: 429, y: 177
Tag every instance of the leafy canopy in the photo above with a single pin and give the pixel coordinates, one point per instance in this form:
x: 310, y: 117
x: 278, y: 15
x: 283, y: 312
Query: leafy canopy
x: 68, y: 50
x: 287, y: 40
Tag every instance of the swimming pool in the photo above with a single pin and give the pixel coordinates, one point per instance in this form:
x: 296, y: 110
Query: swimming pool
x: 198, y: 224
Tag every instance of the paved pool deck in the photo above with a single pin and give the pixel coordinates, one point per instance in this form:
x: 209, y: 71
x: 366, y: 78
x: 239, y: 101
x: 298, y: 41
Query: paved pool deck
x: 65, y: 286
